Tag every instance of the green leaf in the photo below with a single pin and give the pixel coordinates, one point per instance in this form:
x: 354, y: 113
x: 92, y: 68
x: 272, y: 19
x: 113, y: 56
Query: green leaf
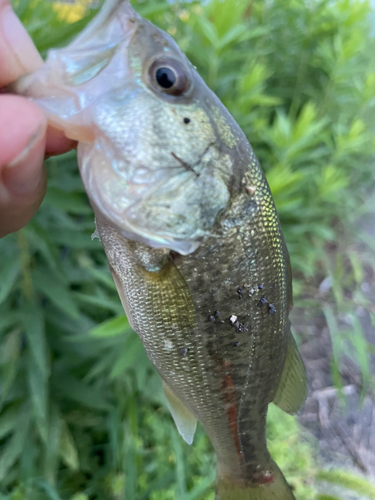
x: 180, y: 465
x: 77, y: 391
x: 53, y: 286
x: 10, y: 360
x: 9, y: 271
x: 202, y: 488
x: 349, y: 481
x: 68, y: 202
x: 128, y: 357
x: 360, y: 344
x: 51, y: 456
x: 39, y: 398
x: 13, y: 448
x: 41, y: 241
x: 99, y: 301
x: 38, y: 365
x: 50, y: 490
x: 8, y: 420
x: 80, y: 496
x: 111, y: 327
x: 33, y: 323
x: 327, y: 497
x: 130, y: 466
x: 68, y: 450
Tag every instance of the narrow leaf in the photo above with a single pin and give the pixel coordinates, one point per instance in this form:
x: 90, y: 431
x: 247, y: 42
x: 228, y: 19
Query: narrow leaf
x: 111, y: 327
x: 9, y: 271
x: 68, y: 450
x: 54, y: 288
x: 13, y: 449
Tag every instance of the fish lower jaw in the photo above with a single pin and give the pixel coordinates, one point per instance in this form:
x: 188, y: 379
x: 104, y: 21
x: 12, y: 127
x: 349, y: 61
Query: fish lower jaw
x: 131, y: 232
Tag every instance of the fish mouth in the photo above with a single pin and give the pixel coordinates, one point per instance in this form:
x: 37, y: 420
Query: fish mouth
x: 69, y: 82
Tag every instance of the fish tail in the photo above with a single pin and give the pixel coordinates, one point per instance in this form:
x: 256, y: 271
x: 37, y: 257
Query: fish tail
x: 270, y: 485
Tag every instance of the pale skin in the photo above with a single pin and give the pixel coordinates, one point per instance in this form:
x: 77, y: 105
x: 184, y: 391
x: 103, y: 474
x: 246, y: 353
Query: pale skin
x: 25, y: 138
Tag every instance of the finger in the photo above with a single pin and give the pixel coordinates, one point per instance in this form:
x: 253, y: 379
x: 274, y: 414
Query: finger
x: 57, y: 143
x: 22, y: 175
x: 18, y: 54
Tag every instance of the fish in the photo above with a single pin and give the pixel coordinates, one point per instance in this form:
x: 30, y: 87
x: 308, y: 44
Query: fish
x: 191, y: 233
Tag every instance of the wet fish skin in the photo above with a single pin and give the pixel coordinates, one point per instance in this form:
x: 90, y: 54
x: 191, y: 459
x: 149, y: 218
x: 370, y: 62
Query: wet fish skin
x: 186, y: 218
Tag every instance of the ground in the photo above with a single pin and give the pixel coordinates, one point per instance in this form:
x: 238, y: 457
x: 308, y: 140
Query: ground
x: 344, y: 429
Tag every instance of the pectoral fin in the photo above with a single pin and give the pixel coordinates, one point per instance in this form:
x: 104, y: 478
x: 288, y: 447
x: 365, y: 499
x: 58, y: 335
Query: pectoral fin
x: 185, y: 422
x: 292, y: 390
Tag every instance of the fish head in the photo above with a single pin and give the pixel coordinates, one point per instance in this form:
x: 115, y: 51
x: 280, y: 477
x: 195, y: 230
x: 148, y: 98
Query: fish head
x: 157, y: 149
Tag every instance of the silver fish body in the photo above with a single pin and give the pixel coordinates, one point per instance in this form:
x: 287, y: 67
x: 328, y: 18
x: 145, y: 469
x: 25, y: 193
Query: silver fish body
x: 191, y: 234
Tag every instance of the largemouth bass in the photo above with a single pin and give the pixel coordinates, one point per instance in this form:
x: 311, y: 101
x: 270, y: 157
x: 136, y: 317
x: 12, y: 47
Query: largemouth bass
x: 191, y: 234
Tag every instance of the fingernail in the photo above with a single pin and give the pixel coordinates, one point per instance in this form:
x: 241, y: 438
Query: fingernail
x: 23, y: 174
x: 20, y: 41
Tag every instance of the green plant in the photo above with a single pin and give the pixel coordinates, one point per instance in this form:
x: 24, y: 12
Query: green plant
x: 346, y: 481
x: 77, y: 418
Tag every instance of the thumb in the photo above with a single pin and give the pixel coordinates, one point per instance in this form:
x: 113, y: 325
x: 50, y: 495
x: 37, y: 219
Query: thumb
x: 22, y: 129
x: 22, y: 174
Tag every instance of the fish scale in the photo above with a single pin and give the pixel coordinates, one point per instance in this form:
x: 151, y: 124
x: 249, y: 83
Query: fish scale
x: 189, y: 227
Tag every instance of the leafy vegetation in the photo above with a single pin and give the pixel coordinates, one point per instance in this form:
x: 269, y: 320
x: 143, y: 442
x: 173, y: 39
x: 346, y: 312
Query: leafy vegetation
x: 82, y: 416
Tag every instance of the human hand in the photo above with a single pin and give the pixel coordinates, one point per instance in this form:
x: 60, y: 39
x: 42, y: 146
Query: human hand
x: 25, y: 138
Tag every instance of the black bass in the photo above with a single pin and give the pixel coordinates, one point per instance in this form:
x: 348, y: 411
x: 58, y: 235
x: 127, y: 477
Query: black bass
x: 191, y: 233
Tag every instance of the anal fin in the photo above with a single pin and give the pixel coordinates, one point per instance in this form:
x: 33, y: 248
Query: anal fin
x: 292, y: 390
x: 185, y: 422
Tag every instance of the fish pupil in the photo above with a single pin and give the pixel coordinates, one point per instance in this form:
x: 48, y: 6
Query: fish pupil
x: 165, y: 77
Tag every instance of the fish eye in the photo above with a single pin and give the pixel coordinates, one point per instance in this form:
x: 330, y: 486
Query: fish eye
x: 169, y: 76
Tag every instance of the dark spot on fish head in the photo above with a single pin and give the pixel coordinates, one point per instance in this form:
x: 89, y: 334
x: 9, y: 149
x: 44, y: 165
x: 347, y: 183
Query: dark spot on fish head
x: 217, y: 314
x: 263, y: 300
x: 184, y: 351
x: 211, y: 318
x: 271, y: 308
x: 187, y: 120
